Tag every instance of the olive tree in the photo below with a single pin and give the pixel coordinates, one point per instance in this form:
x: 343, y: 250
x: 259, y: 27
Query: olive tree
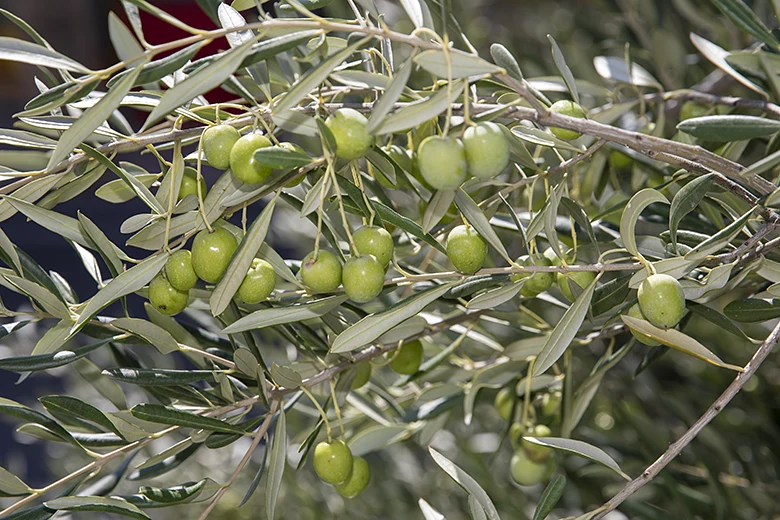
x: 496, y: 271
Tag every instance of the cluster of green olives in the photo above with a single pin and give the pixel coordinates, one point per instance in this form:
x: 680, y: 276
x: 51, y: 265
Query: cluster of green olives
x: 661, y: 302
x: 445, y: 161
x: 209, y: 258
x: 531, y: 463
x: 334, y: 464
x: 363, y: 275
x: 537, y: 283
x: 225, y: 148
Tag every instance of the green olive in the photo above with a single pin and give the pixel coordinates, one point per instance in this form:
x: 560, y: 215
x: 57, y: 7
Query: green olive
x: 322, y: 274
x: 466, y: 249
x: 503, y: 403
x: 211, y: 253
x: 662, y: 300
x: 165, y: 298
x: 406, y: 361
x: 362, y: 375
x: 636, y: 312
x: 442, y: 162
x: 363, y: 278
x: 217, y: 143
x: 525, y: 471
x: 357, y: 481
x: 258, y: 283
x: 566, y: 281
x: 242, y: 159
x: 535, y: 283
x: 179, y: 271
x: 487, y: 150
x: 348, y: 127
x: 567, y: 108
x: 333, y: 461
x: 189, y: 184
x: 537, y: 452
x: 374, y: 240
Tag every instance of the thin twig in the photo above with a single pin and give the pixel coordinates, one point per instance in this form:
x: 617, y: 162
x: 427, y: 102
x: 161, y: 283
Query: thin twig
x: 259, y: 434
x: 675, y: 449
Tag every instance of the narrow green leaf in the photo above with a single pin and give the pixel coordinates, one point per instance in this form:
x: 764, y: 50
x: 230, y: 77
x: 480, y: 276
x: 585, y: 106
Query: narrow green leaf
x: 747, y: 20
x: 718, y: 319
x: 729, y: 127
x: 419, y: 112
x: 720, y: 239
x: 126, y: 283
x: 717, y: 56
x: 158, y: 377
x: 437, y: 207
x: 100, y: 241
x: 200, y: 82
x: 428, y: 511
x: 506, y: 60
x: 92, y: 118
x: 46, y: 361
x: 391, y: 216
x: 174, y: 495
x: 564, y: 332
x: 281, y: 315
x: 13, y: 49
x: 281, y: 158
x: 132, y: 182
x: 43, y: 296
x: 580, y: 448
x: 166, y: 465
x: 29, y: 193
x: 495, y: 297
x: 550, y: 497
x: 393, y: 91
x: 459, y: 66
x: 153, y: 334
x: 686, y: 201
x: 241, y: 261
x: 97, y: 504
x: 373, y: 326
x: 564, y: 69
x: 11, y: 485
x: 752, y: 310
x: 61, y: 404
x: 24, y: 413
x: 158, y: 69
x: 676, y: 340
x: 631, y: 214
x: 276, y: 465
x: 314, y: 77
x: 477, y: 218
x: 466, y: 482
x: 164, y: 415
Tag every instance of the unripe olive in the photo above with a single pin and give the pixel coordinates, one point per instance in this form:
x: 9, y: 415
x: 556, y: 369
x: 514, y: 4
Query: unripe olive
x: 466, y: 249
x: 537, y: 452
x: 504, y: 401
x: 217, y: 143
x: 242, y: 159
x: 442, y: 162
x: 535, y: 283
x: 662, y: 300
x: 179, y: 271
x: 636, y: 312
x: 333, y: 461
x: 566, y: 281
x: 362, y: 375
x: 525, y: 471
x: 567, y: 108
x: 374, y: 240
x: 258, y: 283
x: 406, y: 361
x: 619, y: 160
x: 348, y: 127
x: 357, y: 481
x: 322, y: 274
x: 211, y: 253
x: 551, y: 403
x: 487, y: 150
x: 165, y: 298
x: 189, y: 184
x: 363, y: 278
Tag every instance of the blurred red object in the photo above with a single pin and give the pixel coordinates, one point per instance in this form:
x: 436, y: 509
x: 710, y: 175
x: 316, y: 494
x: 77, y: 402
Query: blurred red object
x: 157, y: 31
